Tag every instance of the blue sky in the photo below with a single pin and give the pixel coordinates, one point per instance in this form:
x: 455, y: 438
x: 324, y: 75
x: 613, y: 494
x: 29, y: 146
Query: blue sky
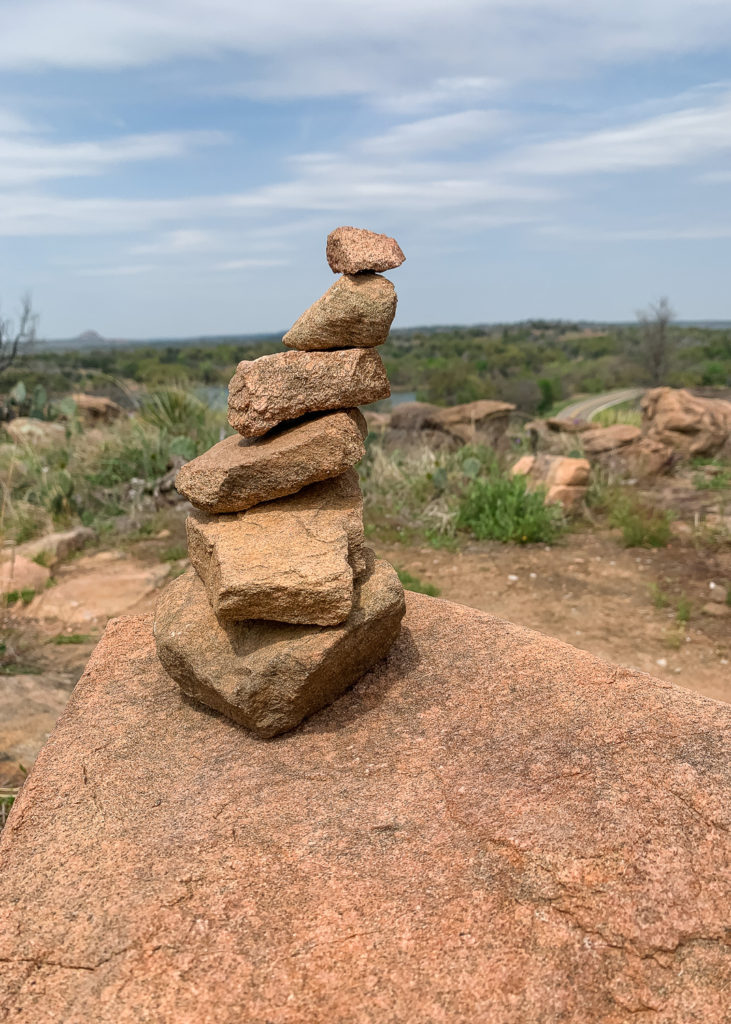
x: 172, y: 167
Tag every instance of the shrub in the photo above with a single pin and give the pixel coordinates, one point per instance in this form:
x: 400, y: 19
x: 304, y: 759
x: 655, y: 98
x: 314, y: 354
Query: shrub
x: 641, y: 526
x: 500, y: 507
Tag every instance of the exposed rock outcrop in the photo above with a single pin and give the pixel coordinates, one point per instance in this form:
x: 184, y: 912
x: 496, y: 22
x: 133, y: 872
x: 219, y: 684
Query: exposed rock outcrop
x: 687, y: 423
x: 491, y: 827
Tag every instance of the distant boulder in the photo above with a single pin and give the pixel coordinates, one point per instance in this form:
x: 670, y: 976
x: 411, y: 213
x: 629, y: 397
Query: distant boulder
x: 37, y: 433
x: 687, y: 423
x: 609, y: 439
x: 96, y: 410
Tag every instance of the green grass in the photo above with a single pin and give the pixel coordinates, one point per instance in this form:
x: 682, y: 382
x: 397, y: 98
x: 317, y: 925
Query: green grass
x: 25, y: 595
x: 174, y: 553
x: 69, y: 638
x: 625, y: 412
x: 500, y: 507
x: 7, y: 799
x: 683, y: 610
x: 413, y: 583
x: 641, y: 526
x: 659, y: 598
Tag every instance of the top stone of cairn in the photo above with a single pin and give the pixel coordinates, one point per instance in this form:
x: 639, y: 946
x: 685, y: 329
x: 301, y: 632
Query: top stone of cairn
x: 355, y: 250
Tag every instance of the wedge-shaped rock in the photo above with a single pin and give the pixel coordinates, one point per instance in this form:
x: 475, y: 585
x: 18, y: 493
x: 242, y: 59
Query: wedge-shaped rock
x: 268, y: 676
x: 267, y: 391
x: 240, y: 472
x: 356, y: 312
x: 290, y: 560
x: 353, y: 250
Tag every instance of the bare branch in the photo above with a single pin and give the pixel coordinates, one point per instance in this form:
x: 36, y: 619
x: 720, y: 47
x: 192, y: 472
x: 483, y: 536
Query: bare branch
x: 12, y: 336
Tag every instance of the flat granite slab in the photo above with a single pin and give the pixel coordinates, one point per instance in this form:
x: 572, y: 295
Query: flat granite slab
x: 490, y: 827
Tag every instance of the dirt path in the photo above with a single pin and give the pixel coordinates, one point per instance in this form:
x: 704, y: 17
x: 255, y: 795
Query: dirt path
x: 597, y: 596
x: 587, y: 408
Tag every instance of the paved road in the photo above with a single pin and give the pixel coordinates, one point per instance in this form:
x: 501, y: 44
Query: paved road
x: 587, y: 408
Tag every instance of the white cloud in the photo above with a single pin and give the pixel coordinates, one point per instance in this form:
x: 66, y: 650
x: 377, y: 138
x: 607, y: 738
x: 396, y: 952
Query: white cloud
x: 254, y: 263
x: 26, y: 159
x: 124, y: 270
x: 459, y: 90
x: 447, y: 132
x: 365, y: 46
x: 680, y: 137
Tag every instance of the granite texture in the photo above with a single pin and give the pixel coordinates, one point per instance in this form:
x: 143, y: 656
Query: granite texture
x: 290, y: 560
x: 356, y: 312
x: 491, y: 827
x: 355, y: 250
x: 269, y: 676
x: 240, y: 472
x: 267, y: 391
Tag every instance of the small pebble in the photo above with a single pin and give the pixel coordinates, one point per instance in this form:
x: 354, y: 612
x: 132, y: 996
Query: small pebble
x: 662, y: 662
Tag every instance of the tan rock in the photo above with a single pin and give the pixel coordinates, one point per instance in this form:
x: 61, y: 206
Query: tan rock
x: 562, y: 471
x: 481, y: 422
x: 608, y: 439
x: 18, y: 573
x: 688, y: 423
x: 561, y: 494
x: 290, y: 560
x: 353, y: 250
x: 97, y: 409
x: 523, y: 466
x: 240, y: 472
x: 268, y: 676
x: 643, y: 459
x: 38, y: 433
x: 356, y: 312
x: 267, y: 391
x: 719, y: 611
x: 55, y: 547
x: 492, y: 827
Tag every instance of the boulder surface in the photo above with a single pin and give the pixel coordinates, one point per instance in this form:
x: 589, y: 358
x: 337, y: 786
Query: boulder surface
x: 289, y: 560
x: 688, y: 423
x: 268, y: 676
x: 354, y: 250
x: 490, y: 827
x: 267, y: 391
x: 356, y: 312
x: 240, y: 472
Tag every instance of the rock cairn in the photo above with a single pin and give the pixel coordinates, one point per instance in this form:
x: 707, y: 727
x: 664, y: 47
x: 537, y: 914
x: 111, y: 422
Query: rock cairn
x: 284, y: 606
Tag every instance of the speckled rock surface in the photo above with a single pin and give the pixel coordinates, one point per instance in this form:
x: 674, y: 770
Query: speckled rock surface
x: 240, y: 472
x: 356, y: 312
x: 265, y: 392
x: 268, y: 676
x: 491, y: 827
x: 353, y: 250
x: 290, y: 560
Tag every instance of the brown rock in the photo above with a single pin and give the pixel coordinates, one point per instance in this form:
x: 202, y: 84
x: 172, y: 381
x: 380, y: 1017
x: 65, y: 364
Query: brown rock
x: 97, y: 409
x: 238, y: 472
x: 608, y: 439
x: 412, y: 415
x: 290, y: 560
x: 523, y: 466
x: 267, y: 391
x: 562, y: 471
x: 55, y: 547
x: 481, y: 422
x: 689, y: 424
x: 268, y: 676
x: 643, y: 459
x: 18, y: 573
x: 353, y: 250
x: 356, y: 312
x: 37, y: 433
x: 567, y: 496
x: 490, y: 827
x: 719, y: 611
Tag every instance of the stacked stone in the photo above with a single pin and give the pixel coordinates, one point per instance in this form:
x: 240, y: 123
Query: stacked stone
x: 284, y: 606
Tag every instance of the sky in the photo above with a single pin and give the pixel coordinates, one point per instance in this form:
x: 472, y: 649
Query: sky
x: 172, y: 167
